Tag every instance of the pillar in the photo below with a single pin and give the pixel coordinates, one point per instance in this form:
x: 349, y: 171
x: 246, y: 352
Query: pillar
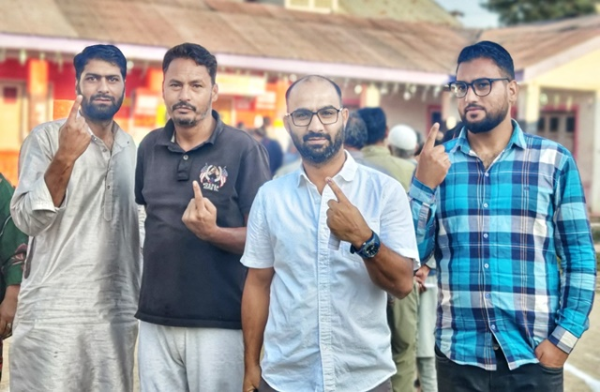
x: 37, y: 90
x: 529, y: 107
x: 594, y: 194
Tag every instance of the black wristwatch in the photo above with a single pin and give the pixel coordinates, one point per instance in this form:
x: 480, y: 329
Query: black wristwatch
x: 369, y: 249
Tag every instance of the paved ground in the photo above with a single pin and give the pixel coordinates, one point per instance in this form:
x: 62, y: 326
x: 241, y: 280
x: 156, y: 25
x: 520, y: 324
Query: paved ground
x: 583, y: 364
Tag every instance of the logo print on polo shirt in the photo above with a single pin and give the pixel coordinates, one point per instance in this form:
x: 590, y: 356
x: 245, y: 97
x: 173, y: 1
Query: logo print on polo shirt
x: 213, y: 177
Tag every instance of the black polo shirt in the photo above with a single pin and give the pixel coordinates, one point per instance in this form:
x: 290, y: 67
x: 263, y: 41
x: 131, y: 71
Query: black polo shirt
x: 188, y: 282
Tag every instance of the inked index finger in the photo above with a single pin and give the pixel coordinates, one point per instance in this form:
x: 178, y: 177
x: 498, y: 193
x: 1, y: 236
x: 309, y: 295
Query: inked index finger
x: 337, y: 191
x: 198, y: 195
x: 75, y: 108
x: 430, y: 142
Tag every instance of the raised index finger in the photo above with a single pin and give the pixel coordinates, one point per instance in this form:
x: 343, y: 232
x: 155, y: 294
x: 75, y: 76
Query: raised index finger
x: 75, y: 108
x: 337, y: 191
x: 198, y: 195
x: 430, y: 142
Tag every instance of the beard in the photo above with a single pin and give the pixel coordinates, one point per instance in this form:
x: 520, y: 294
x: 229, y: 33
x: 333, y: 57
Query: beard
x: 193, y: 121
x: 100, y: 112
x: 489, y: 122
x: 318, y: 155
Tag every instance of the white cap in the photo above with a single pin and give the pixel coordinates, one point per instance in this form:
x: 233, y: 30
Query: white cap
x: 403, y: 137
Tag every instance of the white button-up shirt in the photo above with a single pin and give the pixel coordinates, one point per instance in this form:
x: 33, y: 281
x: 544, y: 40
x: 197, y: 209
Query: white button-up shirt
x: 327, y: 328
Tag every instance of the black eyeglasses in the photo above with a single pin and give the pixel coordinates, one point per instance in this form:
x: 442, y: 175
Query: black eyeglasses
x: 303, y: 117
x: 481, y: 87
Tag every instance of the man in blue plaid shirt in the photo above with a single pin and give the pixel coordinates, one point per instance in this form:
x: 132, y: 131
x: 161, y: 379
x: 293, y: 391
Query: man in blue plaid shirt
x: 504, y: 215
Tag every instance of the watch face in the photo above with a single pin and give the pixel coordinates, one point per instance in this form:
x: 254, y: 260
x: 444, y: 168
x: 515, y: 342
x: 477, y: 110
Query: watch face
x: 371, y: 250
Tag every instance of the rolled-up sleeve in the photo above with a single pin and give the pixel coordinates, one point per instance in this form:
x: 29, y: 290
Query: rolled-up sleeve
x: 423, y: 207
x: 32, y: 208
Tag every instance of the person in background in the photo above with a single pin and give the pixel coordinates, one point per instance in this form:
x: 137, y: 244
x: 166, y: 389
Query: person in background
x: 403, y: 313
x: 13, y: 248
x: 273, y: 147
x: 402, y: 141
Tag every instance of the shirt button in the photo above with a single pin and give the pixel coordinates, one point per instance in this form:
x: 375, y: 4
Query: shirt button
x: 487, y: 174
x: 487, y: 295
x: 493, y: 327
x: 485, y: 205
x: 486, y: 265
x: 185, y: 157
x: 104, y: 150
x: 485, y: 235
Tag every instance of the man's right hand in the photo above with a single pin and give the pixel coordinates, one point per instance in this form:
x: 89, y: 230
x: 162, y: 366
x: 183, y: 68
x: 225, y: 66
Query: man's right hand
x: 251, y: 378
x: 74, y: 137
x: 434, y: 162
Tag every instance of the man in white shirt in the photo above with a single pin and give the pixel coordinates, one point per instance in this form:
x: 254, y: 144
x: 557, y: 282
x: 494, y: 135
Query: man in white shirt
x: 324, y: 245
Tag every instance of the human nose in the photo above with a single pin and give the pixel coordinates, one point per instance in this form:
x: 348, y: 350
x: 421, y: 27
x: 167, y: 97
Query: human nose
x: 470, y: 95
x: 184, y: 93
x: 103, y: 85
x: 315, y: 123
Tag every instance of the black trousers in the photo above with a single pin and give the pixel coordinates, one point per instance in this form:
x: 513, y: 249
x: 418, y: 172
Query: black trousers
x: 452, y: 377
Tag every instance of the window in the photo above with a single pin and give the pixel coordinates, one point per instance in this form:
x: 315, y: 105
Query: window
x: 541, y: 127
x: 554, y: 121
x: 570, y: 124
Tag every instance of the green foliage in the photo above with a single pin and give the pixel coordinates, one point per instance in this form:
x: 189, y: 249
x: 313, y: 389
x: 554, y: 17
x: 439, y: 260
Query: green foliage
x: 522, y: 11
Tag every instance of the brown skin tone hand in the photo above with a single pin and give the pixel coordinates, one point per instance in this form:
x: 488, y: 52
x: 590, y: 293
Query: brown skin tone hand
x: 200, y: 217
x: 8, y: 308
x: 388, y: 270
x: 549, y: 355
x: 73, y: 140
x: 434, y: 162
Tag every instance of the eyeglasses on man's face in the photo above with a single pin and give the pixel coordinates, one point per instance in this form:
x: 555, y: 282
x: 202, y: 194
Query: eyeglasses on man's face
x: 481, y: 87
x: 327, y: 115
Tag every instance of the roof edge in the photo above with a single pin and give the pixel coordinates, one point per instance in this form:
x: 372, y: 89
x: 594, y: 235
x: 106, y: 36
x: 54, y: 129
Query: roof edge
x: 268, y: 64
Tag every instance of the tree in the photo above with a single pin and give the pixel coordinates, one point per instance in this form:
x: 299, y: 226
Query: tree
x: 521, y: 11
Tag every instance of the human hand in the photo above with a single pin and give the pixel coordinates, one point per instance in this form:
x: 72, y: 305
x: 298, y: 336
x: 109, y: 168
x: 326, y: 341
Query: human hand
x: 549, y: 355
x: 421, y: 275
x: 8, y: 308
x: 200, y: 216
x: 345, y: 220
x: 251, y: 378
x: 434, y: 162
x: 74, y: 137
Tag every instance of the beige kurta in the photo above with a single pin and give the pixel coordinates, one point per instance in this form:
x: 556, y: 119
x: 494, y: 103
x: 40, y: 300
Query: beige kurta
x: 75, y: 328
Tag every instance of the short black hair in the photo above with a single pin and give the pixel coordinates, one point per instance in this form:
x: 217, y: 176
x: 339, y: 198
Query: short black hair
x: 356, y: 131
x: 489, y: 50
x: 109, y: 53
x: 376, y: 123
x: 310, y: 78
x: 199, y: 54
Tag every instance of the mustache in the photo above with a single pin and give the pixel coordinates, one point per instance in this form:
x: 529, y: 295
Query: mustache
x: 184, y: 105
x: 473, y: 106
x: 311, y: 135
x: 102, y: 96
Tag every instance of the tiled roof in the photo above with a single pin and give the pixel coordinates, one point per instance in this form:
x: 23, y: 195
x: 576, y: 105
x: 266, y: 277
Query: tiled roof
x: 270, y: 31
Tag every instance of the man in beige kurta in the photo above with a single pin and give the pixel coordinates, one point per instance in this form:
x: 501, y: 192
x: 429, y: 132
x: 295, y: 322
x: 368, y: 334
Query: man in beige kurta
x: 74, y: 329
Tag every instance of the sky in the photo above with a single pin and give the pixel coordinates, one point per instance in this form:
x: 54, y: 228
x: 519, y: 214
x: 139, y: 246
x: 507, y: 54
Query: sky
x: 475, y: 15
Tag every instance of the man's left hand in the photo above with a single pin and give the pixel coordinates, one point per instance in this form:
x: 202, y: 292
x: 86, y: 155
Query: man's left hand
x: 200, y: 216
x: 8, y: 308
x: 549, y: 355
x: 345, y: 220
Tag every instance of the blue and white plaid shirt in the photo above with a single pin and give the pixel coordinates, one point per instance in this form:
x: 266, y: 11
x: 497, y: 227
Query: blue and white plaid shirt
x: 496, y: 235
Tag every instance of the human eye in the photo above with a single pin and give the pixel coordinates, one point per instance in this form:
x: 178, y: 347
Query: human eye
x: 459, y: 87
x: 482, y: 84
x: 301, y: 115
x: 113, y: 79
x: 90, y: 78
x: 327, y: 112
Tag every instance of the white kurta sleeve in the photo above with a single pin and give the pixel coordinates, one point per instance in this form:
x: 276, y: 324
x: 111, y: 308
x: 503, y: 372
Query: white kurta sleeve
x: 32, y: 208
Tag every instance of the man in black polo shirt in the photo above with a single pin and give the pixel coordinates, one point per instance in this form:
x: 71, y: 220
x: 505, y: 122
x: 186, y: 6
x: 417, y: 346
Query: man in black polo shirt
x: 197, y: 178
